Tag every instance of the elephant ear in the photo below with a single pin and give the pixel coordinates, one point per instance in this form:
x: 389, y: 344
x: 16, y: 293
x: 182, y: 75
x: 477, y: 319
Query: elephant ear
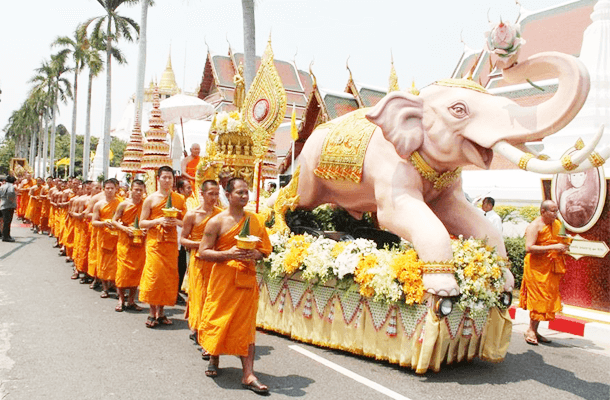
x: 399, y: 115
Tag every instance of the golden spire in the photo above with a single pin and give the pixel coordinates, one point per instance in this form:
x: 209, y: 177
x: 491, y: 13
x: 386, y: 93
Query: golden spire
x: 413, y: 89
x: 393, y: 83
x: 168, y: 79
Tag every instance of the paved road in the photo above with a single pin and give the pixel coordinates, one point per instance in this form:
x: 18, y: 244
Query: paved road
x: 60, y: 340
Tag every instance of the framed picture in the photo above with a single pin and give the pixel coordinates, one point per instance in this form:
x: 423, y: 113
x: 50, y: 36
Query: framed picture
x: 581, y: 197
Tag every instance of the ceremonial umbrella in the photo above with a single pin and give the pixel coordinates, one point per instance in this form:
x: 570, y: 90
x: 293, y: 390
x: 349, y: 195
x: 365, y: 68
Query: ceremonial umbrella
x: 181, y: 107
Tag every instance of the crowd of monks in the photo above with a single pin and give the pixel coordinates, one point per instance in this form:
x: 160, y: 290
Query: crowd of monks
x: 124, y: 240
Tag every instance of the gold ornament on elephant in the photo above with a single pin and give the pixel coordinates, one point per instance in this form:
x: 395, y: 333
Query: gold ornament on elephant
x: 435, y: 267
x: 287, y: 199
x: 440, y: 181
x: 567, y: 163
x: 524, y: 160
x: 596, y: 159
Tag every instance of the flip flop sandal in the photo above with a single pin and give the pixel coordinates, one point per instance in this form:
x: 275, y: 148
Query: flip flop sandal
x: 119, y: 307
x: 133, y: 307
x: 205, y: 355
x: 104, y: 294
x: 74, y: 275
x: 163, y: 320
x: 256, y: 386
x: 211, y: 371
x: 530, y: 341
x: 151, y: 322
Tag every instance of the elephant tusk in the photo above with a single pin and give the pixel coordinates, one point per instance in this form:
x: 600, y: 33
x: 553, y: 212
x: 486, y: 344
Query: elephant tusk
x: 581, y: 160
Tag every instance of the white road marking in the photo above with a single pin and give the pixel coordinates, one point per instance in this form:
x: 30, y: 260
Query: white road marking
x: 358, y: 378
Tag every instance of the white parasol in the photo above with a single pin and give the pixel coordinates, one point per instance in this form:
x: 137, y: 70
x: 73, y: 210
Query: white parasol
x: 181, y: 107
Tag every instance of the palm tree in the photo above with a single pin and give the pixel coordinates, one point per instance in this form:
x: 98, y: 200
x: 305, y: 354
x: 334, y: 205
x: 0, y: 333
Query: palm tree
x: 249, y: 42
x: 76, y: 46
x: 122, y: 28
x: 141, y: 58
x: 50, y: 79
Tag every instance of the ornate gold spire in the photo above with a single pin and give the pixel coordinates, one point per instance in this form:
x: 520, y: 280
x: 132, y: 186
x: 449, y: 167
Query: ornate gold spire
x: 168, y: 79
x: 393, y: 83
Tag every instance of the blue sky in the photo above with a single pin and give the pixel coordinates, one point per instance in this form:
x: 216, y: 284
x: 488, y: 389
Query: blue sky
x: 424, y: 37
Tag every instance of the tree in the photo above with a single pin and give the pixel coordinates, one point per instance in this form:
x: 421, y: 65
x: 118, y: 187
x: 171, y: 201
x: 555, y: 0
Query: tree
x: 249, y: 41
x: 122, y: 29
x: 141, y: 58
x: 77, y: 47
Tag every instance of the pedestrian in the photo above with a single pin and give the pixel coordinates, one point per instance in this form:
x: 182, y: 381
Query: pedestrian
x: 231, y: 304
x: 8, y: 203
x: 543, y: 268
x: 490, y: 214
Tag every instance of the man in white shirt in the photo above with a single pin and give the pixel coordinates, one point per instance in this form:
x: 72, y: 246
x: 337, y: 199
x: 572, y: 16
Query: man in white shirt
x: 490, y: 214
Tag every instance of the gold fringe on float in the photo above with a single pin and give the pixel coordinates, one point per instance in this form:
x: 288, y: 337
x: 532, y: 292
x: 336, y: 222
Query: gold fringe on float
x: 428, y: 345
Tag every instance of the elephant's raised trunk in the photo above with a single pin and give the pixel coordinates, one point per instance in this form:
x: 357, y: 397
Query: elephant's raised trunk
x: 534, y: 123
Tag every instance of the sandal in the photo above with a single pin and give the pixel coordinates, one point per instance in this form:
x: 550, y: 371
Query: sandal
x: 256, y: 386
x: 133, y: 306
x: 119, y: 307
x: 151, y: 322
x: 542, y: 339
x: 211, y: 371
x: 75, y: 275
x: 94, y: 284
x: 531, y: 341
x: 163, y: 320
x: 104, y: 294
x: 205, y: 355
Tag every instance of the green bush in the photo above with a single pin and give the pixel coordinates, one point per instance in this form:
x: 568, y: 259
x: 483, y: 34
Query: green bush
x: 515, y: 249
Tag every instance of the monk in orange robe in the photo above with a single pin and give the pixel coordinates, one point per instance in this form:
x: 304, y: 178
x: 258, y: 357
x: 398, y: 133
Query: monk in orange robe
x: 107, y: 235
x: 159, y: 283
x: 45, y: 205
x: 542, y: 270
x: 199, y: 271
x: 81, y: 232
x: 131, y: 255
x: 229, y: 312
x: 189, y: 169
x: 24, y: 191
x: 92, y: 256
x: 33, y: 210
x: 69, y: 236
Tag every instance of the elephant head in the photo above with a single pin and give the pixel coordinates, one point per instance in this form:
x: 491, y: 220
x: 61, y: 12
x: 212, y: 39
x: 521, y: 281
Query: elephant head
x: 456, y: 122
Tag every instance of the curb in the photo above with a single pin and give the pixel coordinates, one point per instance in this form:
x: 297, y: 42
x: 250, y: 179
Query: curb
x: 591, y: 330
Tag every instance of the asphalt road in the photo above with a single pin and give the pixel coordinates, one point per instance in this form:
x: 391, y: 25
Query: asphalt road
x: 60, y: 340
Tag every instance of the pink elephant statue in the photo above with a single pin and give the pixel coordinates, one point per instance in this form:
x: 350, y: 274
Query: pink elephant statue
x: 410, y: 172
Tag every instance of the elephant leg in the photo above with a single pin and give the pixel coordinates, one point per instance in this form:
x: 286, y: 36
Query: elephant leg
x: 411, y: 219
x: 462, y: 218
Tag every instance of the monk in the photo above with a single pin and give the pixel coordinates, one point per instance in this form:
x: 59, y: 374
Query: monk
x: 50, y: 198
x: 131, y: 255
x: 189, y: 164
x: 54, y: 196
x: 81, y: 232
x: 229, y: 312
x: 45, y: 205
x: 199, y: 271
x: 24, y: 192
x: 542, y: 270
x: 92, y: 261
x: 107, y: 235
x: 159, y: 283
x: 67, y: 235
x: 33, y: 210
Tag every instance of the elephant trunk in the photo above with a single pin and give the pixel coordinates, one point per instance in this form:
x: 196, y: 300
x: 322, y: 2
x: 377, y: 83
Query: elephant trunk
x: 533, y: 123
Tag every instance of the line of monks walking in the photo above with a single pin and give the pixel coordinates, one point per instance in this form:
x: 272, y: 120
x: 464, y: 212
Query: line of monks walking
x: 123, y: 240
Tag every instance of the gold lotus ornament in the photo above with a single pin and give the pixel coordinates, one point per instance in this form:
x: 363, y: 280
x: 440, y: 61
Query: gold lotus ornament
x: 170, y: 211
x: 244, y: 239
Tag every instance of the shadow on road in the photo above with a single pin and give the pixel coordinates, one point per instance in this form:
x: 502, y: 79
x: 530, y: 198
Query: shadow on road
x: 289, y: 385
x: 528, y: 366
x: 20, y: 242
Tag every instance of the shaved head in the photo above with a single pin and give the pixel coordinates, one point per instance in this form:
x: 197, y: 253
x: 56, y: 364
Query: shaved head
x: 547, y: 205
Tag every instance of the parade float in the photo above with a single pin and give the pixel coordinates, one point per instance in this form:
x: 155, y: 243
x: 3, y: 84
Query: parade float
x: 442, y: 296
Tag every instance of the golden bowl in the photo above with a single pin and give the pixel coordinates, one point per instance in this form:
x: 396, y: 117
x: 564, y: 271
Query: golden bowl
x: 170, y: 212
x: 137, y: 235
x: 247, y: 243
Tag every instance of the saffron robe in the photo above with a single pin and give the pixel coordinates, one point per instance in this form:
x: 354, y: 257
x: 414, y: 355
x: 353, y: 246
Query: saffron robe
x: 44, y: 209
x: 130, y: 256
x: 33, y: 211
x: 229, y: 313
x: 92, y: 257
x: 25, y: 199
x: 198, y: 276
x: 81, y: 245
x: 68, y: 235
x: 542, y: 273
x: 159, y: 282
x: 107, y: 244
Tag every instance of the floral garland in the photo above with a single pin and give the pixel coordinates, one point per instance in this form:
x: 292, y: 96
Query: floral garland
x: 386, y: 275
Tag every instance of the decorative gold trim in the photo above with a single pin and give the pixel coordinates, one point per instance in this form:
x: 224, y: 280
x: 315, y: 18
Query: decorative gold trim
x: 543, y: 157
x: 567, y: 163
x: 524, y: 160
x: 579, y: 145
x: 287, y: 199
x: 440, y: 181
x: 596, y: 160
x: 439, y: 268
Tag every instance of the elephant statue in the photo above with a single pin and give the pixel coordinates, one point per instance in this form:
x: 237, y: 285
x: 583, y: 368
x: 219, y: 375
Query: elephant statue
x: 410, y: 173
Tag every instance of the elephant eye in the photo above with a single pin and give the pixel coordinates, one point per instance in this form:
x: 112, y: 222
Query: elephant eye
x: 459, y: 110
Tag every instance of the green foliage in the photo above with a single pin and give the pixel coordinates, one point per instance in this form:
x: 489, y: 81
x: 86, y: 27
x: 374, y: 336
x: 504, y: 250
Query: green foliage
x: 515, y: 249
x: 529, y: 213
x: 117, y: 146
x: 245, y: 230
x: 506, y: 213
x: 328, y: 217
x: 7, y: 151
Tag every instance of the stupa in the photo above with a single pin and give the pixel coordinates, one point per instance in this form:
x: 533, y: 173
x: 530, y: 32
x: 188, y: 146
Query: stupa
x: 132, y: 157
x: 156, y: 149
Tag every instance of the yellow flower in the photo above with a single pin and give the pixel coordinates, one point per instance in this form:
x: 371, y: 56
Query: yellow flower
x: 297, y: 246
x: 338, y: 249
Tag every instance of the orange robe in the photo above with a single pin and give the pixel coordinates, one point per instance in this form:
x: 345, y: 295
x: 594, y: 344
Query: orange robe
x: 229, y: 312
x: 92, y: 256
x: 51, y: 218
x: 159, y: 283
x: 81, y: 233
x: 33, y: 211
x: 107, y: 244
x: 198, y: 276
x: 61, y: 224
x: 44, y: 209
x: 130, y: 256
x: 542, y: 273
x: 25, y: 199
x: 68, y: 234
